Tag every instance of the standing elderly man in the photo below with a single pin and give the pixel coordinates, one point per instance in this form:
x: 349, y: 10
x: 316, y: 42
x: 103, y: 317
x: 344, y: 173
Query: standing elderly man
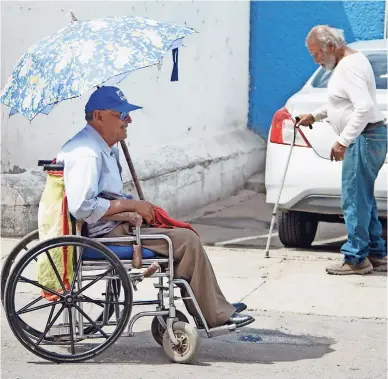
x: 92, y: 176
x: 361, y: 146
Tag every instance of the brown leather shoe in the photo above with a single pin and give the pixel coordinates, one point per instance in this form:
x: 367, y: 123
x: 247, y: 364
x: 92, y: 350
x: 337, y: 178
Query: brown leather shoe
x: 379, y: 264
x: 348, y: 269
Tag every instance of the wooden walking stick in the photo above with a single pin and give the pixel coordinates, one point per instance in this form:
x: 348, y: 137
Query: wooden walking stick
x: 132, y: 169
x: 137, y: 248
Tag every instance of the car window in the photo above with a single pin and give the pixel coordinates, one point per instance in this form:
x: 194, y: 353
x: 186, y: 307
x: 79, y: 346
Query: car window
x: 378, y: 60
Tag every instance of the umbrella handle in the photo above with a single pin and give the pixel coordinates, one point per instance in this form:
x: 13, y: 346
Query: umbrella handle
x: 132, y: 169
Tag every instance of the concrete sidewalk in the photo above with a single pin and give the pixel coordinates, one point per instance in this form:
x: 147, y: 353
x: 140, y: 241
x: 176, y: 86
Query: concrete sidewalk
x: 308, y: 324
x: 291, y: 280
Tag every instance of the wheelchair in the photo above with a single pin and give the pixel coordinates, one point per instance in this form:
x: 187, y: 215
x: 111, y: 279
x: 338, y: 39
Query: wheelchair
x: 74, y: 324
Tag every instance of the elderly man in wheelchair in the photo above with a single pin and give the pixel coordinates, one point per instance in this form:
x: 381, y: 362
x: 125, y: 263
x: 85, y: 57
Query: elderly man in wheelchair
x: 91, y: 174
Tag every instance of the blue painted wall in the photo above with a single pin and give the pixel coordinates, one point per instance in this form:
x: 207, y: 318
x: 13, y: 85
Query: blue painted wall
x: 279, y: 60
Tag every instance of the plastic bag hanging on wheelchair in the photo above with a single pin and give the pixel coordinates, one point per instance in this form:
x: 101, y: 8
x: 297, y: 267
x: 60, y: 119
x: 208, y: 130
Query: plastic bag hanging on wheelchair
x: 53, y: 221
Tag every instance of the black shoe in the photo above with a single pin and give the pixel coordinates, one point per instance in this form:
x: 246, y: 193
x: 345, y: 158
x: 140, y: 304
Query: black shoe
x: 240, y: 307
x: 240, y: 319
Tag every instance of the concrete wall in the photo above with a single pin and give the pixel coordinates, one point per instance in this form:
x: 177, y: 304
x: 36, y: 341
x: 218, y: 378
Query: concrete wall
x: 190, y: 144
x: 279, y: 62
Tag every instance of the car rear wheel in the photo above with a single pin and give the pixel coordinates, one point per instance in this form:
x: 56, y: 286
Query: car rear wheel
x: 297, y: 229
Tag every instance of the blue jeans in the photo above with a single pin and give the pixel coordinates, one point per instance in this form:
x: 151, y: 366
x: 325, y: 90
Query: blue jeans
x: 360, y: 167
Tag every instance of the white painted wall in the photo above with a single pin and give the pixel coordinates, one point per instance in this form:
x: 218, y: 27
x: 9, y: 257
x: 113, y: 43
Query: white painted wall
x: 188, y: 127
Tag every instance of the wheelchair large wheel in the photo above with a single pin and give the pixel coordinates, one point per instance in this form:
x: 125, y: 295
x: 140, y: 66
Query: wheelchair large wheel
x: 23, y: 246
x: 77, y: 304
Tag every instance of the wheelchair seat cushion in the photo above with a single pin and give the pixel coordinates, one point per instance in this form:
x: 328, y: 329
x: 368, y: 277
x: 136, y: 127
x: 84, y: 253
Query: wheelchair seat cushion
x: 122, y: 252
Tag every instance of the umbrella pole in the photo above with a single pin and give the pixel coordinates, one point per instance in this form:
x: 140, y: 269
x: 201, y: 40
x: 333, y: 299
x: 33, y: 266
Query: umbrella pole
x: 132, y: 169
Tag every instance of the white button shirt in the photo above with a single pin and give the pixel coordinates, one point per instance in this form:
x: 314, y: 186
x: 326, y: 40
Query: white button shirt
x: 92, y: 175
x: 351, y: 101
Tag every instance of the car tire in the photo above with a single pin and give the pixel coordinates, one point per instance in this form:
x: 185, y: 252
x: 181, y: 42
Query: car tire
x: 297, y: 229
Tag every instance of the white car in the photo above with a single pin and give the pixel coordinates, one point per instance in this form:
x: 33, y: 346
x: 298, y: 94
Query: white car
x: 312, y: 188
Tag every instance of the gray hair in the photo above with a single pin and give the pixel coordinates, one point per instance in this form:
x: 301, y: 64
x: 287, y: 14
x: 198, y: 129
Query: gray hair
x: 326, y: 35
x: 89, y: 116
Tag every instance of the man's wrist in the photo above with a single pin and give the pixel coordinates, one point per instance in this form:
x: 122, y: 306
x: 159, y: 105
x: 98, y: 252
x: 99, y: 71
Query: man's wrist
x: 316, y: 116
x: 342, y: 141
x: 121, y: 205
x: 130, y: 205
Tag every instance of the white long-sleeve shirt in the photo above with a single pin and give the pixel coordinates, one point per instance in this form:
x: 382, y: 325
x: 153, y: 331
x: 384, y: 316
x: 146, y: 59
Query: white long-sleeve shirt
x: 351, y: 101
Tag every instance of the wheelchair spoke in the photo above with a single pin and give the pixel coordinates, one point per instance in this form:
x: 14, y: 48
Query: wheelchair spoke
x: 76, y: 271
x: 91, y: 321
x: 56, y: 271
x: 50, y: 324
x: 71, y: 331
x: 51, y: 313
x: 37, y: 308
x: 29, y: 305
x: 97, y: 302
x: 36, y: 284
x: 94, y: 281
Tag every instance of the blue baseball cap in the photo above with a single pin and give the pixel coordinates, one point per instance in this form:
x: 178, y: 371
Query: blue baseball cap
x: 109, y: 98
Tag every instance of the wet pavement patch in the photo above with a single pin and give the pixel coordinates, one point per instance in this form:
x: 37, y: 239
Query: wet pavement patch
x: 250, y: 338
x: 264, y: 336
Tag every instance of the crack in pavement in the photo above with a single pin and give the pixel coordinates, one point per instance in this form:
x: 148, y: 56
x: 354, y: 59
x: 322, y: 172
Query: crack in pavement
x: 255, y: 289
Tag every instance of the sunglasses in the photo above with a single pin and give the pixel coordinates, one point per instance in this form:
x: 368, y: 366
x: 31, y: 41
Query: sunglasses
x: 121, y: 115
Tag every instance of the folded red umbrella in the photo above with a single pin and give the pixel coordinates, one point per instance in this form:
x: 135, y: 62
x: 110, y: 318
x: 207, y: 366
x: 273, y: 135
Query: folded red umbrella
x: 163, y: 220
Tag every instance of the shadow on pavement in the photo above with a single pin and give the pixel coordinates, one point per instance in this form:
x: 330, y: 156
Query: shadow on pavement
x: 250, y: 345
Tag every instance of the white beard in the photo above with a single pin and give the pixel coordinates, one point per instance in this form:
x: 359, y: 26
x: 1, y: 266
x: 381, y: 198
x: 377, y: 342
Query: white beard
x: 330, y: 62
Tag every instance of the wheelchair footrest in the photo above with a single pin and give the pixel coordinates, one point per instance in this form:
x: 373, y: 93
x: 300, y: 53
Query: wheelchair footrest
x: 222, y: 330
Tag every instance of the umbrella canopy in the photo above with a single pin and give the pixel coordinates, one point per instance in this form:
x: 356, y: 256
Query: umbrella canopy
x: 86, y: 54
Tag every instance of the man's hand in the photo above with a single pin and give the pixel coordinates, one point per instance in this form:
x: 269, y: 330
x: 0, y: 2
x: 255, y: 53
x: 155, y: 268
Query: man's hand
x: 338, y: 152
x: 146, y: 210
x: 306, y: 119
x: 133, y: 218
x: 141, y: 207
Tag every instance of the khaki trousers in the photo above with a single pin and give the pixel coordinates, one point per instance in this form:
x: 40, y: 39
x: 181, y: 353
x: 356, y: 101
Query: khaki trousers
x: 192, y: 264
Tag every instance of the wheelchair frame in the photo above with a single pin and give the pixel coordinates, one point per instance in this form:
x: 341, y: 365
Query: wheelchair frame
x: 172, y: 321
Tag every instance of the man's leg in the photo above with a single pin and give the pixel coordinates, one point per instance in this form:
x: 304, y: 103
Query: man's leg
x: 377, y: 246
x: 362, y: 163
x: 356, y: 207
x: 191, y: 263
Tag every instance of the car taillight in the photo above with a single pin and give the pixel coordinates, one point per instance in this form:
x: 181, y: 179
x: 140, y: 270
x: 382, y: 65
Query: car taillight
x: 282, y: 130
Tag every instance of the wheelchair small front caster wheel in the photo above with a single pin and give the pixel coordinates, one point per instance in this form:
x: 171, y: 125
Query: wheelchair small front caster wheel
x: 157, y: 329
x: 188, y: 343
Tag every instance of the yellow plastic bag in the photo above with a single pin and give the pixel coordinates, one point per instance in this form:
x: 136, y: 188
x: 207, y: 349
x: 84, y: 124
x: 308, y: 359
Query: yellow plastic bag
x: 54, y: 221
